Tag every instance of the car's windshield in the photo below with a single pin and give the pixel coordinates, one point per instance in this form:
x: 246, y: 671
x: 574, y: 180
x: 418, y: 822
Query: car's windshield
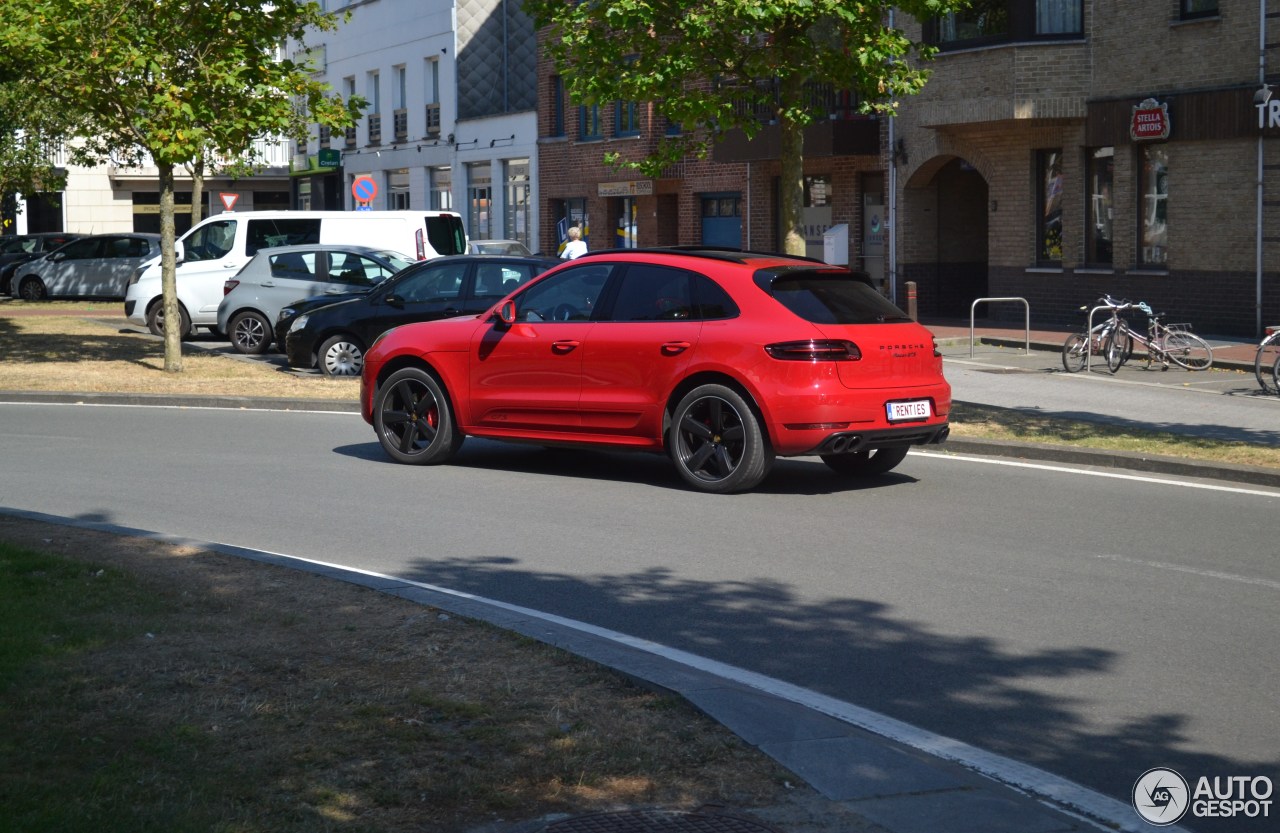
x: 397, y: 260
x: 209, y: 242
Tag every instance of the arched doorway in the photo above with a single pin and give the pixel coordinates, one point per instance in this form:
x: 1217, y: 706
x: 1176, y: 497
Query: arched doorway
x: 944, y: 225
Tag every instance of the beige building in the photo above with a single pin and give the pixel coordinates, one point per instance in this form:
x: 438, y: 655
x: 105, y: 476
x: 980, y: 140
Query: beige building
x: 1067, y: 148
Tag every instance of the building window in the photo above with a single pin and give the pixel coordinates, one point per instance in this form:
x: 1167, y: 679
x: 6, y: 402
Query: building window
x: 398, y: 189
x: 626, y: 119
x: 440, y: 185
x: 1192, y: 9
x: 479, y: 200
x: 589, y: 122
x: 1099, y: 173
x: 987, y: 22
x: 1153, y: 199
x: 557, y: 106
x: 1049, y: 182
x: 516, y: 222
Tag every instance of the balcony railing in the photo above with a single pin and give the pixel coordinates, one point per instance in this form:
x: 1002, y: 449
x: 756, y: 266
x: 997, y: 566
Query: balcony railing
x: 401, y: 120
x: 375, y: 129
x: 324, y: 135
x: 433, y: 120
x: 266, y: 153
x: 350, y: 133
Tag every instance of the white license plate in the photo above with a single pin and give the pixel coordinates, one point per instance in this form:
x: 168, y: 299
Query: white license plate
x: 913, y: 409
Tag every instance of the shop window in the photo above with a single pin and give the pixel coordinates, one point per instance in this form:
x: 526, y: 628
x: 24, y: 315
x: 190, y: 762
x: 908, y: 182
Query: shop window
x: 479, y: 200
x: 440, y: 184
x: 1049, y: 184
x: 1099, y: 173
x: 1153, y: 200
x: 516, y: 217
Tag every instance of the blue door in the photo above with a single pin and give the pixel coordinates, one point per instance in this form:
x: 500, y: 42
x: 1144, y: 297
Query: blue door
x: 722, y: 220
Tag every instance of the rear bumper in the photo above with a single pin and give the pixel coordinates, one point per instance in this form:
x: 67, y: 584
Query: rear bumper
x: 848, y: 442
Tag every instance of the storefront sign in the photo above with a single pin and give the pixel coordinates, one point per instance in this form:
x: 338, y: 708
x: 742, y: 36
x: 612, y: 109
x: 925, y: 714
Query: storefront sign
x: 1269, y: 114
x: 637, y: 188
x: 1150, y: 121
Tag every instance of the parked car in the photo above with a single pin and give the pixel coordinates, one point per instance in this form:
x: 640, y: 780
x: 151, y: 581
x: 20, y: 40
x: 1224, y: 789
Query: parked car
x: 498, y: 247
x: 252, y: 300
x: 17, y: 249
x: 335, y: 336
x: 222, y: 244
x: 722, y: 360
x: 97, y: 266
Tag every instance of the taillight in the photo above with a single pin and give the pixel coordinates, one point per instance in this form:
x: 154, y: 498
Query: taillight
x: 229, y: 285
x: 817, y: 350
x: 936, y: 351
x: 421, y: 243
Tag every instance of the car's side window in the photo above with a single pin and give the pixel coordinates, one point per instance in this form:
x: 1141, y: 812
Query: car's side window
x: 127, y: 247
x: 211, y: 242
x: 653, y: 293
x: 710, y: 301
x: 570, y: 295
x: 294, y: 266
x: 498, y: 280
x: 439, y: 283
x: 355, y: 270
x: 281, y: 232
x: 83, y: 249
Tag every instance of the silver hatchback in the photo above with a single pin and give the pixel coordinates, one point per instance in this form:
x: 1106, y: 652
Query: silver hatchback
x: 277, y: 277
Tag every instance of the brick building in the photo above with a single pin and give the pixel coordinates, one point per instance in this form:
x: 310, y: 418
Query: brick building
x: 1071, y: 148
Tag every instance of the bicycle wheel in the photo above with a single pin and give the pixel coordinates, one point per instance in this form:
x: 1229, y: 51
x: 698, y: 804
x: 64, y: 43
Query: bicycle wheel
x: 1116, y: 346
x: 1075, y: 352
x: 1264, y: 364
x: 1188, y: 350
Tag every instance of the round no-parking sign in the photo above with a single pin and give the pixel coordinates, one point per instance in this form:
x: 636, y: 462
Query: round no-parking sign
x: 364, y: 189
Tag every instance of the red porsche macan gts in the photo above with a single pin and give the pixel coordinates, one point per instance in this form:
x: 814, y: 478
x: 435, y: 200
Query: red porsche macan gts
x: 721, y: 359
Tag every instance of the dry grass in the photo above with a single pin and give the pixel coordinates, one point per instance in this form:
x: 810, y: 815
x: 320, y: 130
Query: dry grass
x: 222, y: 694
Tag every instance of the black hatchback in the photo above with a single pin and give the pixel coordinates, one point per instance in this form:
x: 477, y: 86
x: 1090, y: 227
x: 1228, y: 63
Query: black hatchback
x: 336, y: 335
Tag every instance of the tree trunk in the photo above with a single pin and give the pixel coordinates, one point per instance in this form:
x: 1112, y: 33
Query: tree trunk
x: 197, y: 190
x: 792, y: 162
x: 168, y: 273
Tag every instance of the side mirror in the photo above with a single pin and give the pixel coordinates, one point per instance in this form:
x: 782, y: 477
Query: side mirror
x: 507, y: 312
x: 394, y: 301
x: 177, y: 251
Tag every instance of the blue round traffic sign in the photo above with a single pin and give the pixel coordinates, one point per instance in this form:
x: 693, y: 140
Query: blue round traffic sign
x: 364, y: 189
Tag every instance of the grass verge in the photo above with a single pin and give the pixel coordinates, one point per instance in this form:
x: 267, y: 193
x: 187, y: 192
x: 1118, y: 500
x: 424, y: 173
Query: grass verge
x: 149, y: 687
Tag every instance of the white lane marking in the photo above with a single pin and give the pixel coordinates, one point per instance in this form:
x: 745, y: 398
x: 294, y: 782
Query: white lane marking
x: 1186, y: 484
x: 83, y: 404
x: 1160, y: 565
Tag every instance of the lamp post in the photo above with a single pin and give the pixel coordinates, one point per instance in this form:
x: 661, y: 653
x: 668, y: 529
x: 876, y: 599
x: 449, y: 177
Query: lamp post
x: 1260, y: 98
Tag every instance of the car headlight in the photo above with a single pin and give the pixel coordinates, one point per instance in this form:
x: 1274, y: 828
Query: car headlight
x: 137, y: 273
x: 285, y: 313
x: 298, y: 323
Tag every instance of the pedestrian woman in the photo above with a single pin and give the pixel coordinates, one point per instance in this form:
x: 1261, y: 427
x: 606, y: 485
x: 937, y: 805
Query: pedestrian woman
x: 575, y: 248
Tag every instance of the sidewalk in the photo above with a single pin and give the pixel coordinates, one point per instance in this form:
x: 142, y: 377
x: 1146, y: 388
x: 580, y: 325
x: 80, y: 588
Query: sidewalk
x: 1228, y: 353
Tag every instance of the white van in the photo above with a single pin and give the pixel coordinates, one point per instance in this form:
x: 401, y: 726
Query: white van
x: 218, y: 247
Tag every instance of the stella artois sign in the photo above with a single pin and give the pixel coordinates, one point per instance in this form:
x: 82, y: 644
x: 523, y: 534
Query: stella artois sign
x: 1150, y: 121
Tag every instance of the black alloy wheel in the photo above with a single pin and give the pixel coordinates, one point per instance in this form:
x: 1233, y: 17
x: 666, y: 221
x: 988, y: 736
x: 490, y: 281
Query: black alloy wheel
x: 716, y: 442
x: 414, y: 420
x: 250, y: 333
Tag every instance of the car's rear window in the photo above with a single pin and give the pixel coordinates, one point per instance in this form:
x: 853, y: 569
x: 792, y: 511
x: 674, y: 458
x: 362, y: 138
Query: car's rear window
x: 829, y: 297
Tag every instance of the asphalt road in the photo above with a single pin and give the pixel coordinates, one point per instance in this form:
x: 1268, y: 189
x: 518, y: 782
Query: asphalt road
x: 1091, y: 625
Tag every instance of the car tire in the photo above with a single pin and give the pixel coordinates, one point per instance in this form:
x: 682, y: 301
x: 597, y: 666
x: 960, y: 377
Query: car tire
x: 414, y: 419
x: 32, y: 289
x: 340, y: 355
x: 250, y: 333
x: 155, y: 321
x: 865, y: 463
x: 716, y: 442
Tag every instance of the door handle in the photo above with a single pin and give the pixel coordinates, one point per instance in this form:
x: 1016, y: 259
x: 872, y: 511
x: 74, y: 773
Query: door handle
x: 268, y: 283
x: 672, y: 348
x: 564, y: 346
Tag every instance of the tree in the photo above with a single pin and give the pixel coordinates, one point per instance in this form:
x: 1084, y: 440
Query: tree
x: 175, y: 81
x: 710, y: 66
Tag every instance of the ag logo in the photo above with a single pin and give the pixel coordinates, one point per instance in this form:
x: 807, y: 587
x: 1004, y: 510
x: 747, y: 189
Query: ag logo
x: 1161, y: 796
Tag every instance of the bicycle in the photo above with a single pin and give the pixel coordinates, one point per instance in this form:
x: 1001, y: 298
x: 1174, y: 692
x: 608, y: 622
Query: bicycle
x: 1078, y: 346
x: 1163, y: 342
x: 1266, y: 364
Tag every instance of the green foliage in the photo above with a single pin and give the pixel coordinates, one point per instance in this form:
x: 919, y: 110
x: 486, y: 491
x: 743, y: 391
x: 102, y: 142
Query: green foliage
x: 714, y: 65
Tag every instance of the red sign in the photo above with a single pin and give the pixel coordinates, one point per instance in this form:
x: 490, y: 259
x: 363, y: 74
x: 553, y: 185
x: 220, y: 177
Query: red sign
x: 229, y: 201
x: 364, y: 189
x: 1150, y: 121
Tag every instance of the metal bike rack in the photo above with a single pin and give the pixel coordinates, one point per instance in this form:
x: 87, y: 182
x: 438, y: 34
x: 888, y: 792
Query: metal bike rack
x: 1026, y: 309
x: 1088, y: 339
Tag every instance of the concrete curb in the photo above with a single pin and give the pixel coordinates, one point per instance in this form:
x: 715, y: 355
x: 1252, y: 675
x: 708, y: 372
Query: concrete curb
x: 1049, y: 347
x: 161, y: 400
